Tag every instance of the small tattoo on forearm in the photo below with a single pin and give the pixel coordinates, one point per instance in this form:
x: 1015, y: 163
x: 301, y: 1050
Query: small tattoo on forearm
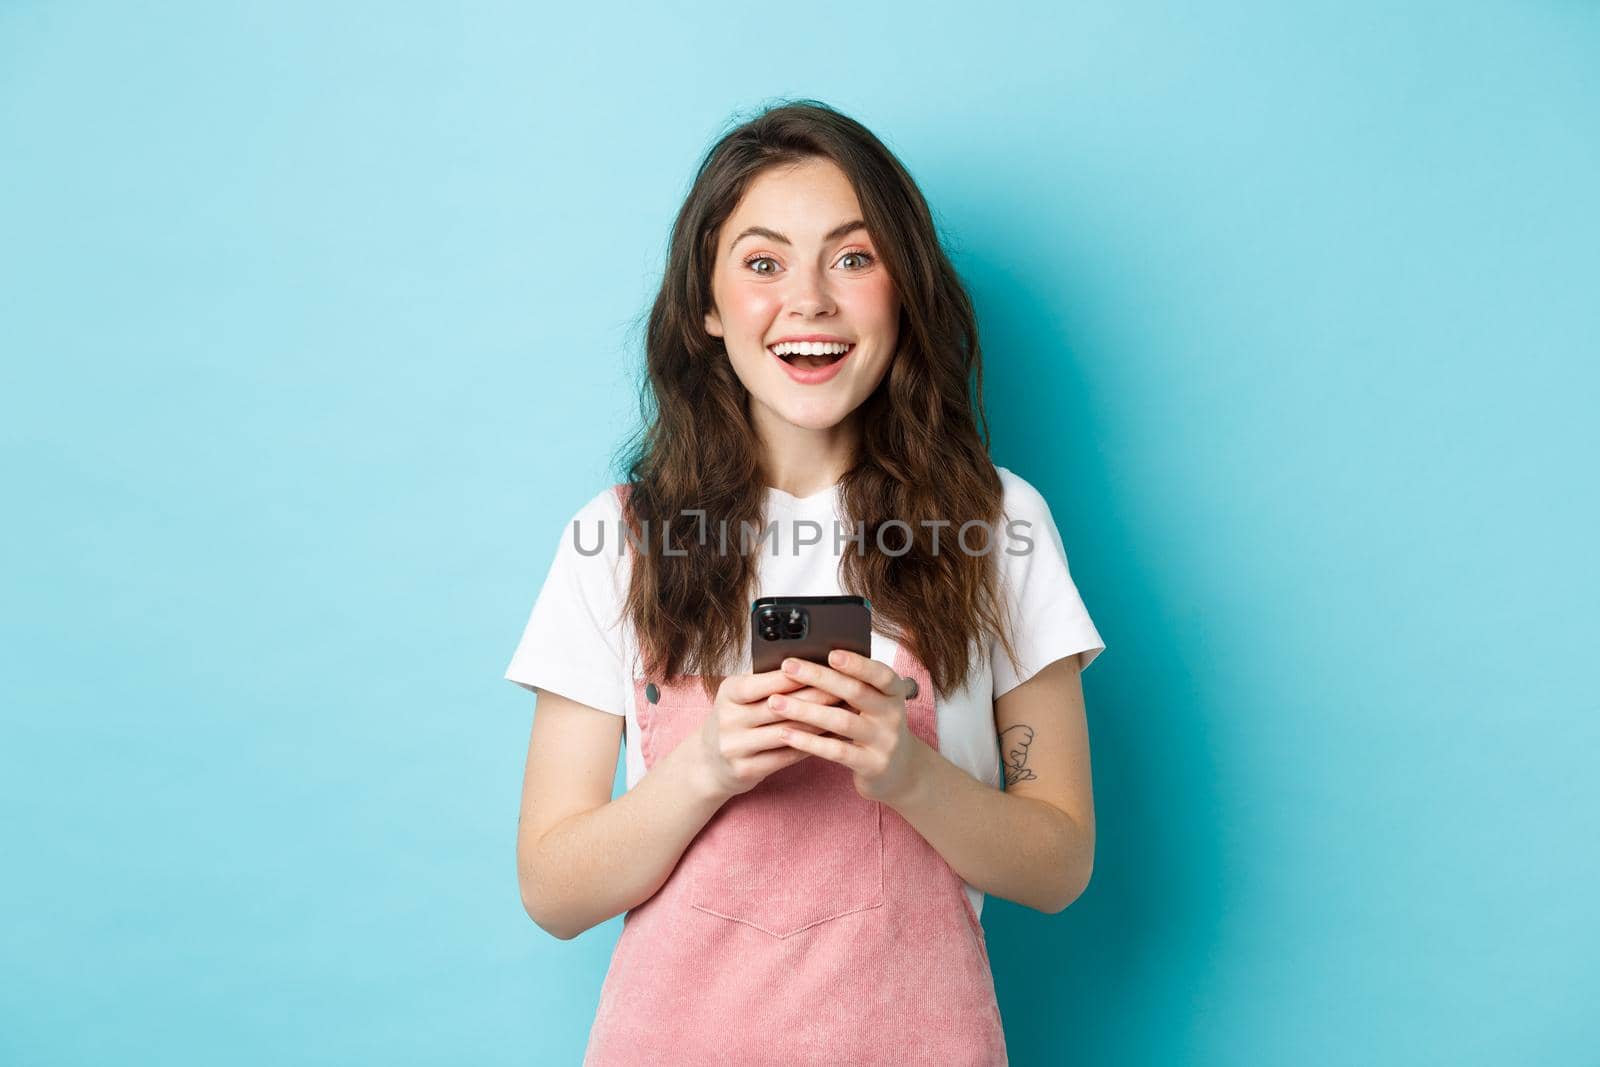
x: 1014, y: 744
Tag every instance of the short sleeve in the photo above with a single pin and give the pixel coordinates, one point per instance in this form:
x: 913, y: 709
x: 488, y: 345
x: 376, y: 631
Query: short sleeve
x: 573, y: 641
x: 1048, y: 617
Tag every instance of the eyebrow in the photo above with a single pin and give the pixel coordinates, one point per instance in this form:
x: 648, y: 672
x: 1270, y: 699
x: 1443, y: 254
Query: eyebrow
x: 773, y: 235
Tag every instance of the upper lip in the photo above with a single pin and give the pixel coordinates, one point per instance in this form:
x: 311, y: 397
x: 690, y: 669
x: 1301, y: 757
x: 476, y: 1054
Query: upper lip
x: 812, y: 337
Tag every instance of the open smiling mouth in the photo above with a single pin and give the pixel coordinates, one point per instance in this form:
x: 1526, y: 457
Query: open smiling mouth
x: 800, y: 356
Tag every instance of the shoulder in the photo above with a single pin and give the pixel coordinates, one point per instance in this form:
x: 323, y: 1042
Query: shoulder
x: 590, y: 536
x: 605, y: 505
x: 1027, y: 525
x: 1021, y: 499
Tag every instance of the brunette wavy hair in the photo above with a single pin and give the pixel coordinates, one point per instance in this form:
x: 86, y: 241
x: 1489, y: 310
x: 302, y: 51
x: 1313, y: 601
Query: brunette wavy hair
x: 922, y: 456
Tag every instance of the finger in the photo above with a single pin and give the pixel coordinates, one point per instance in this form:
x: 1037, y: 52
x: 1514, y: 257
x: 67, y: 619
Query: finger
x: 808, y: 692
x: 762, y: 712
x: 750, y: 688
x: 813, y: 694
x: 756, y: 712
x: 777, y: 760
x: 853, y: 691
x: 767, y: 763
x: 842, y: 722
x: 874, y: 672
x: 829, y: 748
x: 765, y: 737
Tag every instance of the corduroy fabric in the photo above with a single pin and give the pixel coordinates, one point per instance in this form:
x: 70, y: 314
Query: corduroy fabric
x: 803, y: 925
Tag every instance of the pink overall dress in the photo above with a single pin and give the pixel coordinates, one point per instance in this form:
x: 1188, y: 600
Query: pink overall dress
x: 803, y: 925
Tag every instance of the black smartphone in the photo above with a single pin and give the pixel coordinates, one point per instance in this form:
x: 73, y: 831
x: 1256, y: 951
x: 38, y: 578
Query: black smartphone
x: 808, y: 628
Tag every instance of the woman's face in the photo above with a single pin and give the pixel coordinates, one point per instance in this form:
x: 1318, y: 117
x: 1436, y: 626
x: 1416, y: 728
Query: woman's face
x: 789, y: 263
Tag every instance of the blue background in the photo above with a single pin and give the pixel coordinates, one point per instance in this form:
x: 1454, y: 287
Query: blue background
x: 318, y: 321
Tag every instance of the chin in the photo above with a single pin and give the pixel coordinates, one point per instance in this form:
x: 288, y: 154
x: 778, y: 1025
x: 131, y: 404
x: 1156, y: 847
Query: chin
x: 812, y: 417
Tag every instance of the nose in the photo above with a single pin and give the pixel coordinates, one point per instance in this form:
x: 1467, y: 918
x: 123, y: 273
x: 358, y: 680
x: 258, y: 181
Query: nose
x: 810, y: 296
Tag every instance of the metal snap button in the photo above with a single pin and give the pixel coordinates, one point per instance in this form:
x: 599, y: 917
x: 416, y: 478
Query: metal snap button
x: 915, y: 689
x: 651, y: 693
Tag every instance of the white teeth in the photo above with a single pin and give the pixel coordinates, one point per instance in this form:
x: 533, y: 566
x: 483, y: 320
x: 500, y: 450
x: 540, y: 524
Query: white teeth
x: 809, y: 348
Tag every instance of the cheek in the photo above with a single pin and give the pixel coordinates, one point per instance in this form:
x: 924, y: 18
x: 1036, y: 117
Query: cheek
x: 751, y: 311
x: 873, y: 303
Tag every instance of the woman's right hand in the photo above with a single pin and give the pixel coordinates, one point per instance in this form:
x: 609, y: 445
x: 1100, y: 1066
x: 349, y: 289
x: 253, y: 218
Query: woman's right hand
x: 739, y: 743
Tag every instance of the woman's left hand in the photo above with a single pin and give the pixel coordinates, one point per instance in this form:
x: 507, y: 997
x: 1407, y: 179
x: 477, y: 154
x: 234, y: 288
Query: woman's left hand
x: 873, y: 740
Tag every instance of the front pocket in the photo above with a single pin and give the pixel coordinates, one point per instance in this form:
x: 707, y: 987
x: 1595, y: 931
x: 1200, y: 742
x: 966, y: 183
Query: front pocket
x: 799, y: 849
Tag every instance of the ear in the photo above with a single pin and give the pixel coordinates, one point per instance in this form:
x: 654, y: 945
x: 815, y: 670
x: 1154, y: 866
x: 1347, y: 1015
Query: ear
x: 713, y: 323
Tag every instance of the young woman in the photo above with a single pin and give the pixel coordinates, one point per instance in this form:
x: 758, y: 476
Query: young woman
x: 802, y: 853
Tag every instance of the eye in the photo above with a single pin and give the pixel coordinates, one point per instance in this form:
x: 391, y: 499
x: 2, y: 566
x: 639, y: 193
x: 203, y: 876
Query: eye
x: 866, y: 257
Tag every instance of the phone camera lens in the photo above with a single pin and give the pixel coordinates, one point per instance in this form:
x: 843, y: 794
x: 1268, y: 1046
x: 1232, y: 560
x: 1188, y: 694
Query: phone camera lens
x: 768, y: 624
x: 795, y: 623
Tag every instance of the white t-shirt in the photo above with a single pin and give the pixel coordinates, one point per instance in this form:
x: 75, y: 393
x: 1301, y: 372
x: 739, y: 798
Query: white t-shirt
x: 577, y: 644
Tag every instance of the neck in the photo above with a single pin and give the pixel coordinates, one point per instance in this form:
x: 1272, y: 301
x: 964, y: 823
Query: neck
x: 801, y: 461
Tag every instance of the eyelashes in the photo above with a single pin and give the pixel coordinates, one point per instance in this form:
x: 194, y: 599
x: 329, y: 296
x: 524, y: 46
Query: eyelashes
x: 861, y: 253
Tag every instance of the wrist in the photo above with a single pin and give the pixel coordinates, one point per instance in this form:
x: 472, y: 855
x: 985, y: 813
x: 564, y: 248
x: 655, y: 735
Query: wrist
x: 921, y: 768
x: 696, y: 774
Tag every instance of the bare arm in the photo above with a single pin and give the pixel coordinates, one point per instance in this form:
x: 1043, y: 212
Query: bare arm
x: 583, y: 857
x: 1034, y: 843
